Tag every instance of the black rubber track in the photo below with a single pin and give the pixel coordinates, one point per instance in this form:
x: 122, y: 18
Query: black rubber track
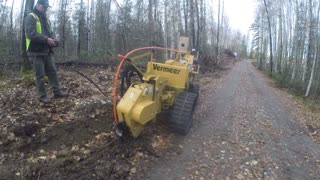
x: 180, y: 117
x: 194, y: 87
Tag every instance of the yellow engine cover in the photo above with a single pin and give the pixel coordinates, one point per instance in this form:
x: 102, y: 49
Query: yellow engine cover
x: 138, y: 106
x: 144, y: 112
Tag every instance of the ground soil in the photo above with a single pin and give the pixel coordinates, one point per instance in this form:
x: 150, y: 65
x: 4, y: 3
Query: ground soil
x: 243, y: 129
x: 248, y: 130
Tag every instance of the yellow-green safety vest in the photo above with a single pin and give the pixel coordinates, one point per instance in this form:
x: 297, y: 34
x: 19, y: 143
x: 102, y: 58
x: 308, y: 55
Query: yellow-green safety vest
x: 38, y: 27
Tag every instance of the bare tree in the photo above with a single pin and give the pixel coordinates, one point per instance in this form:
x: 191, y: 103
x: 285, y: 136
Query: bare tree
x: 91, y: 30
x: 218, y: 31
x: 185, y: 12
x: 294, y: 27
x: 27, y: 9
x: 315, y: 59
x: 192, y: 24
x: 10, y: 32
x: 270, y: 37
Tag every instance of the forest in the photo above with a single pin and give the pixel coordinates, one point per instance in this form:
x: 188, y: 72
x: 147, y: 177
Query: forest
x: 286, y: 43
x: 284, y: 37
x: 96, y: 31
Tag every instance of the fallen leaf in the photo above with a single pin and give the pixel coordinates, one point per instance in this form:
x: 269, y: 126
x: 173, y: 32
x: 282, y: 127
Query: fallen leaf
x: 133, y: 170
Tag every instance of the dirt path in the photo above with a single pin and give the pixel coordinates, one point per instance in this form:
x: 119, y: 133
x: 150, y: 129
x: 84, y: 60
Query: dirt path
x: 246, y: 132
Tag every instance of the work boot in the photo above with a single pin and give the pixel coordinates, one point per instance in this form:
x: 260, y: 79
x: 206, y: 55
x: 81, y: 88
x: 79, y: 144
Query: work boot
x: 44, y: 100
x: 60, y: 95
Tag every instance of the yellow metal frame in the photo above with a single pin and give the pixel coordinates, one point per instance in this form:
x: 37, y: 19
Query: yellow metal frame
x: 162, y: 82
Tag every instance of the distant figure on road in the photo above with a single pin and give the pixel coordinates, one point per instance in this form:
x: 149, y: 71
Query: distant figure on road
x: 39, y: 44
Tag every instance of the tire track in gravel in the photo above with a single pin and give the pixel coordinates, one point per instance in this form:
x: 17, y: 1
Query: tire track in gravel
x: 245, y: 133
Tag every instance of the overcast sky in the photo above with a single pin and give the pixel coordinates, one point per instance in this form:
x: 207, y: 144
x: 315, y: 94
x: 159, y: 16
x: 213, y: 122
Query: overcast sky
x: 240, y: 13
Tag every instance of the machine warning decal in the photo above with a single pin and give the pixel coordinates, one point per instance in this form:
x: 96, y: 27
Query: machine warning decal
x: 165, y: 69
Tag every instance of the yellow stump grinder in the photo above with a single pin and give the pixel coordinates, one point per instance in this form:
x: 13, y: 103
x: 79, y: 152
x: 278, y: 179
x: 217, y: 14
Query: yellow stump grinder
x: 161, y: 87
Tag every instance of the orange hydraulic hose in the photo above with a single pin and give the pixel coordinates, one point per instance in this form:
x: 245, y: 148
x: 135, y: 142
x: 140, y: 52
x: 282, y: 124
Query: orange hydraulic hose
x: 124, y: 57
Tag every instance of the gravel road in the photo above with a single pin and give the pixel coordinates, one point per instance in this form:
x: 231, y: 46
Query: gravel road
x: 245, y: 132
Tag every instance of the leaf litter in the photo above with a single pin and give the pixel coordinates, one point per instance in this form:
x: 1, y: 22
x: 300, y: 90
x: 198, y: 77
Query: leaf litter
x: 72, y: 138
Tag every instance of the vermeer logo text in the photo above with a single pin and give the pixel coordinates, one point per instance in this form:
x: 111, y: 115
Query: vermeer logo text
x: 165, y: 69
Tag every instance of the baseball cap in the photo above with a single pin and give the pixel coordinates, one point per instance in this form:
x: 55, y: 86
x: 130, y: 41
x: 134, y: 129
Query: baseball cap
x: 44, y: 3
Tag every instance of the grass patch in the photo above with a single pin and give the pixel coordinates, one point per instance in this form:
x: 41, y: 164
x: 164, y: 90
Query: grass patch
x: 281, y: 80
x: 312, y: 103
x: 297, y: 89
x: 28, y: 76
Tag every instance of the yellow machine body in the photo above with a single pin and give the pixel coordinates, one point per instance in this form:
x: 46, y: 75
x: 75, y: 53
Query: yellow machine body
x: 143, y: 101
x: 162, y: 83
x: 175, y: 72
x: 137, y: 107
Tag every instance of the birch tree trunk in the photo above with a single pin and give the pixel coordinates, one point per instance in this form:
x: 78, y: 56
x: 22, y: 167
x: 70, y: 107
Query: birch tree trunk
x: 151, y: 22
x: 280, y: 41
x: 270, y: 37
x: 192, y: 26
x: 185, y: 11
x: 26, y: 65
x: 307, y: 66
x: 198, y: 26
x: 10, y: 33
x: 218, y: 34
x: 315, y: 59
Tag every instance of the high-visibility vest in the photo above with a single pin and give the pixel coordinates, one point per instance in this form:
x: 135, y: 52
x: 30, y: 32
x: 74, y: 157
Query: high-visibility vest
x: 38, y: 27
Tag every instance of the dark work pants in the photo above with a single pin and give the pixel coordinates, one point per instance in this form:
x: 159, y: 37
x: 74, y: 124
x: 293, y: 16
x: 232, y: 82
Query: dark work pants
x: 44, y: 65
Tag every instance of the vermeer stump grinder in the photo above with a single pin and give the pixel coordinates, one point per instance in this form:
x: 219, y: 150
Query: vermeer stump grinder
x: 162, y: 87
